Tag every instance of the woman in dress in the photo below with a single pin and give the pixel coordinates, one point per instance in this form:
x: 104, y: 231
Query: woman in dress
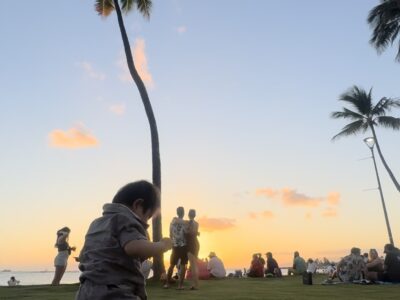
x: 193, y: 247
x: 64, y: 251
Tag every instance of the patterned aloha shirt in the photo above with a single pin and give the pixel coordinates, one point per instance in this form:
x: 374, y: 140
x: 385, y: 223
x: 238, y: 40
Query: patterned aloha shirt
x: 351, y: 267
x: 177, y: 231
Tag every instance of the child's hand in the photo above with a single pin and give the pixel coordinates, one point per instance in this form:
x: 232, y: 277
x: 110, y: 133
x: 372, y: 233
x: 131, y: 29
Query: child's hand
x: 167, y: 243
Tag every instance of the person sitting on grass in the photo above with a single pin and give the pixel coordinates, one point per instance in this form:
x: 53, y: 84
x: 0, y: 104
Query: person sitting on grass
x: 116, y: 243
x: 332, y: 272
x: 365, y: 257
x: 311, y: 266
x: 299, y: 265
x: 391, y: 271
x: 256, y: 267
x: 351, y: 267
x: 374, y: 270
x: 272, y: 269
x: 13, y: 281
x: 216, y: 266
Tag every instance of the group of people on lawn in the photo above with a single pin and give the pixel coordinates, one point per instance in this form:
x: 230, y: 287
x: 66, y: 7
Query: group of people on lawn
x: 117, y: 244
x: 270, y: 268
x: 185, y: 247
x: 369, y: 266
x: 353, y: 267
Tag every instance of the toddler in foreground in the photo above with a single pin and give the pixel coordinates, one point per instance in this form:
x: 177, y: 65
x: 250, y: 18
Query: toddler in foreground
x: 116, y: 243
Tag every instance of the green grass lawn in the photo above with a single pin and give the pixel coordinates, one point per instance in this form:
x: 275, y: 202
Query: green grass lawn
x: 285, y: 288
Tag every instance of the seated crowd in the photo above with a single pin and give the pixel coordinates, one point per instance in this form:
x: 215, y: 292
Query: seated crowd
x: 270, y: 268
x: 259, y: 267
x: 353, y: 267
x: 373, y: 268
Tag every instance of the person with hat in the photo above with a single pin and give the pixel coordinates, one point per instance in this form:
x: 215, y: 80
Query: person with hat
x: 216, y: 266
x: 64, y: 251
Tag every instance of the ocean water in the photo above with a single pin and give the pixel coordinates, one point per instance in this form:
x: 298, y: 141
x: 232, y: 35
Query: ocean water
x: 35, y: 278
x: 45, y: 277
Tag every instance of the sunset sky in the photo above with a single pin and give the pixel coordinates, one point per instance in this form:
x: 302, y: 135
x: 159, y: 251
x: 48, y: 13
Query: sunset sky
x: 242, y: 92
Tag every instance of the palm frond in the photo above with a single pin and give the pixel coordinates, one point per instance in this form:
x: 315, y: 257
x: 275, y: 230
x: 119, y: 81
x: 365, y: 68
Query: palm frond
x: 104, y: 7
x: 389, y: 122
x: 347, y: 114
x: 127, y: 5
x: 384, y: 105
x: 359, y: 99
x: 143, y: 6
x: 352, y: 128
x: 384, y: 20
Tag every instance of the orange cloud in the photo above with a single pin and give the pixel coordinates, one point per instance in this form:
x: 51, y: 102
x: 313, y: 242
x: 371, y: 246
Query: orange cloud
x: 72, y: 138
x: 293, y: 198
x: 252, y: 215
x: 290, y: 197
x: 270, y: 193
x: 215, y: 224
x: 140, y: 60
x: 329, y: 213
x: 267, y: 214
x: 333, y: 198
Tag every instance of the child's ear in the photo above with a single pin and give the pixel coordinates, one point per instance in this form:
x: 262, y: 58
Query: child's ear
x: 137, y: 203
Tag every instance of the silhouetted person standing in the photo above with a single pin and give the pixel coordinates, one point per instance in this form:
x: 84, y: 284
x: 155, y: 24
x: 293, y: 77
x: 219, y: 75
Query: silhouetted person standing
x: 179, y: 249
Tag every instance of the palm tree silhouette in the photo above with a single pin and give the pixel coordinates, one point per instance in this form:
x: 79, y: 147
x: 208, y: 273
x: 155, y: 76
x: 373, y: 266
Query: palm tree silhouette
x: 384, y: 20
x: 104, y: 8
x: 367, y: 116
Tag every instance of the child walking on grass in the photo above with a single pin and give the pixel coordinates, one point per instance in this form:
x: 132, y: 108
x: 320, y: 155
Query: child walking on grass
x: 116, y: 243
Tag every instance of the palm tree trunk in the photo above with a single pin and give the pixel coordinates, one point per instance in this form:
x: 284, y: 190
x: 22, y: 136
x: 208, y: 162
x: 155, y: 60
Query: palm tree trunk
x: 158, y: 263
x: 397, y: 185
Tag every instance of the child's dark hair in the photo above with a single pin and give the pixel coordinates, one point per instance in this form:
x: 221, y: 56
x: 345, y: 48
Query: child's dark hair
x: 142, y: 189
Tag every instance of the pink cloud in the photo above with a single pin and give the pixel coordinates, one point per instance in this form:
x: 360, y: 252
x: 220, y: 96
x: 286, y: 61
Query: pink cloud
x: 252, y: 215
x: 181, y: 29
x: 73, y: 138
x: 333, y: 198
x: 329, y: 213
x: 215, y: 224
x: 140, y: 60
x: 269, y: 193
x: 90, y: 71
x: 267, y: 214
x: 291, y: 197
x: 118, y: 109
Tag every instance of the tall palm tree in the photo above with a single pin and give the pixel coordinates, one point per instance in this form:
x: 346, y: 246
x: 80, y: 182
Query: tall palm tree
x: 104, y: 8
x: 366, y: 116
x: 385, y: 23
